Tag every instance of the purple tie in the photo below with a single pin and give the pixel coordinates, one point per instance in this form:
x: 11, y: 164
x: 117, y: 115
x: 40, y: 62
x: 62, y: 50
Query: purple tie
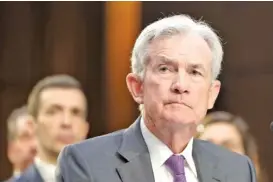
x: 176, y: 164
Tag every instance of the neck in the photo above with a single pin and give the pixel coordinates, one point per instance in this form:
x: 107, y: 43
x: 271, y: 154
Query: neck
x: 16, y: 171
x: 47, y: 156
x: 176, y: 138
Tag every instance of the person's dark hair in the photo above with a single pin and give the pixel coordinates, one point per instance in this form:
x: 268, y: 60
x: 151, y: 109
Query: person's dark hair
x: 249, y: 142
x: 55, y: 81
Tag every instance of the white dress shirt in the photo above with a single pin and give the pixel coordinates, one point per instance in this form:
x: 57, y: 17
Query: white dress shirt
x: 16, y: 174
x: 159, y: 153
x: 46, y: 170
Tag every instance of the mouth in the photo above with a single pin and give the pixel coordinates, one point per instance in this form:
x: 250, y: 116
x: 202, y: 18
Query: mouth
x: 178, y: 103
x: 67, y: 139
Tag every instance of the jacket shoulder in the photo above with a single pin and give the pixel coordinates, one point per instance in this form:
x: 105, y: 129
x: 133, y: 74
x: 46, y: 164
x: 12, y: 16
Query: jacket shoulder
x: 104, y: 144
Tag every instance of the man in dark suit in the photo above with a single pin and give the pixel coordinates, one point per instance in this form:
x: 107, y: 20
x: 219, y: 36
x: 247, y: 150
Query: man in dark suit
x: 59, y: 108
x: 21, y: 141
x: 175, y: 65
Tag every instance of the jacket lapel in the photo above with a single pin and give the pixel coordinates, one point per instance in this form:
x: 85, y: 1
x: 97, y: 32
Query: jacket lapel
x: 206, y: 164
x: 133, y: 150
x: 137, y: 169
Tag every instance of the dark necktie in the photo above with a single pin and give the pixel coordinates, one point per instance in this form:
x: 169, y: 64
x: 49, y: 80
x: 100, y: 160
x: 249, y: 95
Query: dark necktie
x: 176, y: 165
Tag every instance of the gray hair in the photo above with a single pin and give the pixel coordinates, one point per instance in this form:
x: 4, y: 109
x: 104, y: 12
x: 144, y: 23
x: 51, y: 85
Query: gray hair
x: 171, y: 26
x: 12, y: 122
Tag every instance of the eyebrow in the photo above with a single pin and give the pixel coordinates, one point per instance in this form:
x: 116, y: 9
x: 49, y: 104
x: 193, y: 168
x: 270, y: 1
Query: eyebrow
x: 55, y: 106
x: 167, y: 60
x: 73, y: 108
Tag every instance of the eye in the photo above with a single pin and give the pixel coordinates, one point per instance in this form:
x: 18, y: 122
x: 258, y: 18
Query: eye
x: 78, y: 112
x: 196, y: 73
x: 165, y: 68
x: 51, y: 111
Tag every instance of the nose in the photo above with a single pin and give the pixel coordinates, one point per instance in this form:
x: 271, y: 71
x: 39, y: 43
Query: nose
x: 66, y: 120
x: 180, y: 83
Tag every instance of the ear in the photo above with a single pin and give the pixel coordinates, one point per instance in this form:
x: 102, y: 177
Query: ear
x: 135, y: 87
x: 213, y: 93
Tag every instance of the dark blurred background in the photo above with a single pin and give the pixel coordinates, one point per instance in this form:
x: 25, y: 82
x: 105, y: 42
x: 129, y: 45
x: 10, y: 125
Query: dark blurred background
x: 93, y: 40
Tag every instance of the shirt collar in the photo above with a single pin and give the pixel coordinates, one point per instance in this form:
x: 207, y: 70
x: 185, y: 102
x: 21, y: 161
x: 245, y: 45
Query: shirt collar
x: 47, y: 170
x: 159, y: 152
x: 16, y: 173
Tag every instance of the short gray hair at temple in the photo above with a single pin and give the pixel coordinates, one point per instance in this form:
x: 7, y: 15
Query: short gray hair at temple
x: 171, y: 26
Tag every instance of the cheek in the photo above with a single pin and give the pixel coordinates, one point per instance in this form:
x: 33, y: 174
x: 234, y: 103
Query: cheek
x: 200, y: 97
x: 47, y: 123
x: 202, y: 90
x: 45, y: 129
x: 17, y: 148
x: 77, y: 129
x: 156, y: 89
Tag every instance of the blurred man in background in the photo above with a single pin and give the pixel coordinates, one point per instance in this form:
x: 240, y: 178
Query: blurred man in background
x: 21, y: 141
x: 59, y: 108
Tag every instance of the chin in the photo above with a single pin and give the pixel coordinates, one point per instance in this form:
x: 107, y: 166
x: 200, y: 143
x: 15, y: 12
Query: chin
x: 60, y: 147
x: 181, y: 115
x: 176, y: 115
x: 178, y: 120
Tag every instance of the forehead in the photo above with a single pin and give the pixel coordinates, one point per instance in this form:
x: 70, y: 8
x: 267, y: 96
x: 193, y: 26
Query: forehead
x: 66, y: 97
x: 189, y: 47
x: 24, y: 123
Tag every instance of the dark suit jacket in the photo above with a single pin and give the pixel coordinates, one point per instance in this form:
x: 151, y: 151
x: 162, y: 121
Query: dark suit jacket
x: 123, y: 156
x: 30, y: 175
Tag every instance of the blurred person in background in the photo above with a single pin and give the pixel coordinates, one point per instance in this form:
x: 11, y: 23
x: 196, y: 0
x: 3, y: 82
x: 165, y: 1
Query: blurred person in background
x: 21, y: 141
x: 59, y: 108
x: 231, y: 132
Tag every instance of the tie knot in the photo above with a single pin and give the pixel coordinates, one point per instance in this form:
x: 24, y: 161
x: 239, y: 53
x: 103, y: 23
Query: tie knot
x: 176, y: 164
